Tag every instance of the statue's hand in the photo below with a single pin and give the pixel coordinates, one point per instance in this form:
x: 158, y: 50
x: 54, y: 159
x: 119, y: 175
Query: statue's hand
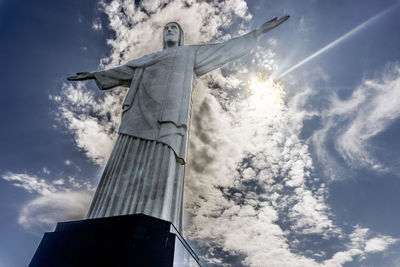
x: 81, y: 76
x: 271, y: 24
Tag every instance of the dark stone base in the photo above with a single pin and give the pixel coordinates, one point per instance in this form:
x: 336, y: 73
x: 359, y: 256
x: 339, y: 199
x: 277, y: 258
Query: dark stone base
x: 131, y: 240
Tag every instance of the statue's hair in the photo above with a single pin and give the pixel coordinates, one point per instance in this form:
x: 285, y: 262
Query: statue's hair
x: 181, y: 35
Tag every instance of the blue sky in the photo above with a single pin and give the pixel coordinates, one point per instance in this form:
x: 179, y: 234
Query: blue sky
x: 303, y: 171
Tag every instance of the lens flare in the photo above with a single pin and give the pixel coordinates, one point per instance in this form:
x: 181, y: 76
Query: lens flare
x: 340, y: 39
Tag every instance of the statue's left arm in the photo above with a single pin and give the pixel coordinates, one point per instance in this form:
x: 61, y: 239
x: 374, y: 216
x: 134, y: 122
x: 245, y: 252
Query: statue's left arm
x: 212, y: 56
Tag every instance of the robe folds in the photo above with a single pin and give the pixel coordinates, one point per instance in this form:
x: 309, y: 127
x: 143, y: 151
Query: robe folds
x: 158, y: 103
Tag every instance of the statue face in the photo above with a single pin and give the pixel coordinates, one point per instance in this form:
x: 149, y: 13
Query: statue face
x: 171, y: 33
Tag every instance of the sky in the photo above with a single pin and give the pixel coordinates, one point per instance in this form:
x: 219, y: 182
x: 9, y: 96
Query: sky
x: 293, y: 154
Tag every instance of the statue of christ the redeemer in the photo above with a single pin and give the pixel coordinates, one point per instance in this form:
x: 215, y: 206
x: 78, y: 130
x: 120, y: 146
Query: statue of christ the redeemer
x: 145, y: 171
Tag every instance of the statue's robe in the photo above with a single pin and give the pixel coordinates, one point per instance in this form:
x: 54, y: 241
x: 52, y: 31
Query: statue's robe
x: 145, y: 171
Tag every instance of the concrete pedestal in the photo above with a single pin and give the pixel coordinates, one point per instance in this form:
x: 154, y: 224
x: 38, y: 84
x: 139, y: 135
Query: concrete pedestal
x: 131, y: 240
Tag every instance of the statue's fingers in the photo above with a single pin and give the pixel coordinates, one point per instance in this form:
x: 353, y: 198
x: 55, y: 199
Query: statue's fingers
x: 72, y: 78
x: 271, y: 20
x: 284, y: 18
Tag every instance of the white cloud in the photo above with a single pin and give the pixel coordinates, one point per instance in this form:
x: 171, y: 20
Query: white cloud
x: 229, y: 214
x: 67, y: 162
x: 96, y: 25
x: 29, y: 183
x: 59, y: 182
x: 353, y: 122
x: 360, y: 245
x: 45, y: 211
x: 53, y: 202
x: 45, y: 170
x: 95, y: 135
x: 379, y: 244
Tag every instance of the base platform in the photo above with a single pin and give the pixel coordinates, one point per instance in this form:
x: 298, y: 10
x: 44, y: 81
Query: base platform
x: 130, y: 240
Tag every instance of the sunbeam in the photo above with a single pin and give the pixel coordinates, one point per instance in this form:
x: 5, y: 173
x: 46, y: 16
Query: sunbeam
x: 339, y: 40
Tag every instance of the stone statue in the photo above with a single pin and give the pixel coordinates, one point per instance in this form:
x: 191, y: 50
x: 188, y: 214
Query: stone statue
x: 145, y: 171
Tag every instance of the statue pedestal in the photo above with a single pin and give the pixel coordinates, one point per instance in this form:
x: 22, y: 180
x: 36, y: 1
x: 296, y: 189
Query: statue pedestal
x: 130, y: 240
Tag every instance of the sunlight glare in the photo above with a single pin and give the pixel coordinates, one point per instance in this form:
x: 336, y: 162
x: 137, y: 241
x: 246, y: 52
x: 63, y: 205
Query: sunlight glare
x: 265, y: 93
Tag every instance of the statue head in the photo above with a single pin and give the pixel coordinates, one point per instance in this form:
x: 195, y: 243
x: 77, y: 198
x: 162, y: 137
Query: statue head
x: 172, y: 35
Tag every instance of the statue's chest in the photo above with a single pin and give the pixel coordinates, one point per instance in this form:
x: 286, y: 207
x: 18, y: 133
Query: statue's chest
x: 169, y: 73
x: 161, y: 69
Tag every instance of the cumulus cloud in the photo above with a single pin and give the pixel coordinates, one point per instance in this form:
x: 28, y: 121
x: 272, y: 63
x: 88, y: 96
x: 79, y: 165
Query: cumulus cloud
x: 138, y: 29
x: 359, y: 245
x: 250, y: 189
x: 352, y: 123
x: 93, y: 120
x: 380, y: 243
x: 248, y: 172
x: 53, y: 202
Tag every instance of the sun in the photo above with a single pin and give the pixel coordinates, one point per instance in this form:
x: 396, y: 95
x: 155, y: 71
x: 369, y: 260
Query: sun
x: 265, y: 92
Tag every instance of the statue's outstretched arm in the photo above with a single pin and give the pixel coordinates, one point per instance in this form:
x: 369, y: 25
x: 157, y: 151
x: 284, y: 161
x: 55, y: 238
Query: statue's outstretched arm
x: 211, y: 56
x: 271, y: 24
x: 107, y: 79
x: 81, y: 76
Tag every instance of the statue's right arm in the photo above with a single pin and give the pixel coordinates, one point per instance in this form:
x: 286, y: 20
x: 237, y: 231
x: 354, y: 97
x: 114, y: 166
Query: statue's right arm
x: 107, y: 79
